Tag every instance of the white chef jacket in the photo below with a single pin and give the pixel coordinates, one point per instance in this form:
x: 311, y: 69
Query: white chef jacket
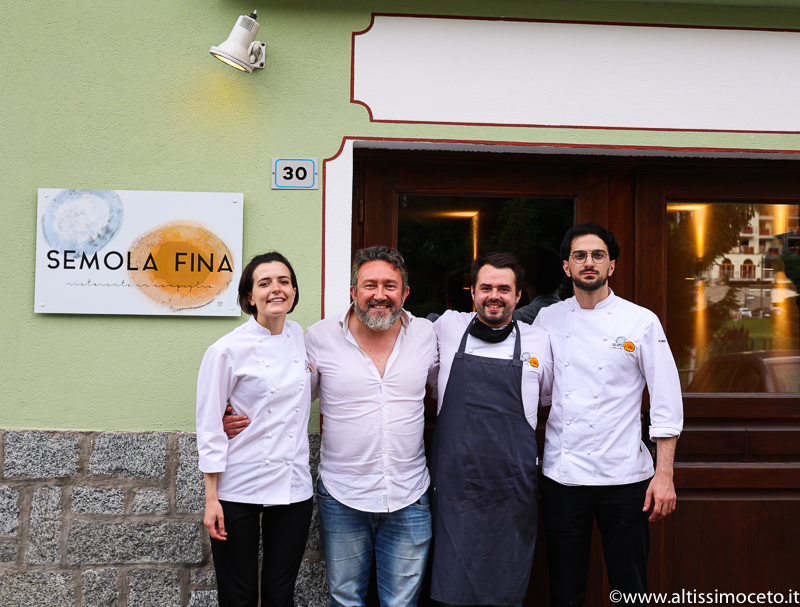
x: 372, y: 456
x: 265, y: 377
x: 603, y: 358
x: 537, y: 378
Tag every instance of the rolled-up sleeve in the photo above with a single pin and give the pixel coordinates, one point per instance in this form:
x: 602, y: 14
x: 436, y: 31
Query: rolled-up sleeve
x: 663, y: 383
x: 214, y: 386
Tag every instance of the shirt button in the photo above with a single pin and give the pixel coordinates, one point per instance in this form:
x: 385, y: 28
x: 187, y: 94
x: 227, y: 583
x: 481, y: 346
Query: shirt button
x: 291, y: 434
x: 386, y: 474
x: 566, y: 451
x: 569, y: 422
x: 470, y: 351
x: 384, y: 450
x: 595, y: 394
x: 269, y: 434
x: 297, y: 409
x: 269, y: 410
x: 369, y: 362
x: 266, y: 461
x: 566, y: 393
x: 289, y: 463
x: 588, y: 453
x: 567, y: 334
x: 599, y: 366
x: 296, y: 359
x: 566, y: 364
x: 386, y: 427
x: 383, y: 405
x: 591, y: 424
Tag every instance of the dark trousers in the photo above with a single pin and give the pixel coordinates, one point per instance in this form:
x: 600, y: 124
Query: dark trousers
x: 284, y: 531
x: 569, y: 512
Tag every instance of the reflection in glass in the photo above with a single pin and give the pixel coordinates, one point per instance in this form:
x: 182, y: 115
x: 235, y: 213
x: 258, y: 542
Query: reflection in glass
x: 733, y: 272
x: 439, y: 236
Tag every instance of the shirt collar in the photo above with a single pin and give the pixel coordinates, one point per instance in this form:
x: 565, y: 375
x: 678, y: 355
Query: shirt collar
x: 257, y: 327
x: 607, y: 302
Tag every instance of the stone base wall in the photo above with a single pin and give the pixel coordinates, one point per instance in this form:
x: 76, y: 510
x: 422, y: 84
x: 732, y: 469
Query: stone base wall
x: 114, y: 519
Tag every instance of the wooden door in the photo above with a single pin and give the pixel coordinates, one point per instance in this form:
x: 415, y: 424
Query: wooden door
x: 737, y: 474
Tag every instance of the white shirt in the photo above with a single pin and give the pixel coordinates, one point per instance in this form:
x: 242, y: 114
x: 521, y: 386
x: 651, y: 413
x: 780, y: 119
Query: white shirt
x: 603, y: 358
x: 372, y: 456
x: 537, y: 378
x: 265, y: 377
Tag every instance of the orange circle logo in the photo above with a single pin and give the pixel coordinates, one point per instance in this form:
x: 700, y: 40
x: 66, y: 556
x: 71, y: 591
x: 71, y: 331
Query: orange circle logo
x: 181, y: 265
x: 629, y: 347
x: 534, y: 363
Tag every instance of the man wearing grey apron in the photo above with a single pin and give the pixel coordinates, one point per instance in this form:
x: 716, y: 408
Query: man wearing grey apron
x: 483, y: 458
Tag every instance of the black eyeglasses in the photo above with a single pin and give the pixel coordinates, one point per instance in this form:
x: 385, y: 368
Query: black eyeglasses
x: 598, y: 256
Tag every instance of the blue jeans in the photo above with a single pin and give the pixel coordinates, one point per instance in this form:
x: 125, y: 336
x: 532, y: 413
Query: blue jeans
x: 399, y: 540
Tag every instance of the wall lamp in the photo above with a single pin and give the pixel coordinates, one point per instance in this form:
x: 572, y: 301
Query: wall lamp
x: 241, y: 50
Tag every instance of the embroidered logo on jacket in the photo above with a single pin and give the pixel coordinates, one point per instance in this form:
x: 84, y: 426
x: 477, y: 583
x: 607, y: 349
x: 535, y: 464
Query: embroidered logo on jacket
x: 623, y: 344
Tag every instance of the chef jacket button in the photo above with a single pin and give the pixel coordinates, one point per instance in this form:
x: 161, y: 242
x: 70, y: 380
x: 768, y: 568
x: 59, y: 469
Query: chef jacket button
x: 289, y: 463
x: 269, y: 434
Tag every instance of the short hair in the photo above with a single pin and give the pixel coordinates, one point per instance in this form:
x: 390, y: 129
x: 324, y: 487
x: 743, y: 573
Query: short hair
x: 585, y: 229
x: 378, y: 253
x: 246, y: 281
x: 499, y: 260
x: 543, y: 269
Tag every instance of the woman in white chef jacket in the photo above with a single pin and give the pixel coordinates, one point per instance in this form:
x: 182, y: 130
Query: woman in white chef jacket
x: 258, y: 483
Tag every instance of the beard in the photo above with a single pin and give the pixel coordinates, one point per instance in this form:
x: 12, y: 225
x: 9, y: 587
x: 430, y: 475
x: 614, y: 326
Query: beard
x: 590, y: 286
x: 379, y: 321
x: 501, y: 317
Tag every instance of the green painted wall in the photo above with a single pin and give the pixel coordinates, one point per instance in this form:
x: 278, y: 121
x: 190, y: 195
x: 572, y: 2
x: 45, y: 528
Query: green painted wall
x: 124, y: 95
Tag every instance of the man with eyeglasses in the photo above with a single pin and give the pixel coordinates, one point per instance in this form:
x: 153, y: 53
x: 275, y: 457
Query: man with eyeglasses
x: 605, y: 351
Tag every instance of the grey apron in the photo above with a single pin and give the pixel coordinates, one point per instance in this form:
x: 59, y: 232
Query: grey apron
x: 483, y: 469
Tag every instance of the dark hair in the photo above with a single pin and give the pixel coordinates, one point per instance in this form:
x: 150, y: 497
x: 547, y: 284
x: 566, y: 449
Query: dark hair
x: 379, y: 253
x: 584, y: 229
x: 543, y: 269
x: 500, y: 260
x: 246, y: 281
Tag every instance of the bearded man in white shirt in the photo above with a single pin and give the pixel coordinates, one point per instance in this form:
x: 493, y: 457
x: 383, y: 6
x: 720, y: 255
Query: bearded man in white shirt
x: 370, y: 365
x: 483, y: 458
x: 596, y: 467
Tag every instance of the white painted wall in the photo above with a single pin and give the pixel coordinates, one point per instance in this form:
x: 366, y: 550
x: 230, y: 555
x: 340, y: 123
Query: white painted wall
x: 479, y: 71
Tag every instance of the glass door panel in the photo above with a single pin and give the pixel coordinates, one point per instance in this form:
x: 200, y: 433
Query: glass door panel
x: 733, y: 273
x: 439, y: 237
